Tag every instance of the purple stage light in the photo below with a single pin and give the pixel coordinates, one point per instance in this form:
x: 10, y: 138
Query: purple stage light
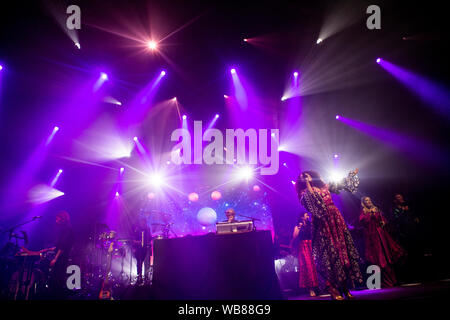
x: 103, y: 76
x: 217, y: 115
x: 122, y: 170
x: 336, y: 156
x: 163, y: 73
x: 233, y: 71
x: 135, y: 139
x: 184, y: 117
x: 117, y: 193
x: 1, y: 67
x: 295, y: 74
x: 225, y: 96
x: 77, y: 44
x: 378, y: 60
x: 337, y: 117
x: 55, y: 129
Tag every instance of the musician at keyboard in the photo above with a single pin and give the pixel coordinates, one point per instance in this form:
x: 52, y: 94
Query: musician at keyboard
x: 231, y: 215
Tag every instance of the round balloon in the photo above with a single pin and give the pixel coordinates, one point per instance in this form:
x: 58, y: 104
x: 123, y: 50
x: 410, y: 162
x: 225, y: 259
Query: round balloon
x: 206, y: 216
x: 193, y: 197
x: 216, y: 195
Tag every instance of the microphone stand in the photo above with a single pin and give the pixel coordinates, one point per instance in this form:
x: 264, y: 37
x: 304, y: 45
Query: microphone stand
x: 11, y: 230
x: 251, y: 218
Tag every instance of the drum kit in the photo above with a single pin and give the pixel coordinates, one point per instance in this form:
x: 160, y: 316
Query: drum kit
x: 123, y: 263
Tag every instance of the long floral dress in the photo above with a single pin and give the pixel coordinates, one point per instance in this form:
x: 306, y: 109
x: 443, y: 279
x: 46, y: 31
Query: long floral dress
x: 335, y: 254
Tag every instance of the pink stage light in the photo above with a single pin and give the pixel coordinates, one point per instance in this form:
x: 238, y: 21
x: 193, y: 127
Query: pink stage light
x: 152, y: 45
x: 256, y: 188
x: 225, y: 96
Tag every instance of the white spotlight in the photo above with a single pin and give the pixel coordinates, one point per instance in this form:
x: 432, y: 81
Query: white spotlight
x: 319, y: 41
x: 77, y: 44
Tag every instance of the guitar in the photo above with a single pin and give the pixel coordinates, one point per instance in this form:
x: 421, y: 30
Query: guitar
x: 106, y: 291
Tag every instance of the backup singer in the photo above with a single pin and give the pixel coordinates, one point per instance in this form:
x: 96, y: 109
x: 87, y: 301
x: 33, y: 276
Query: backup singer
x: 308, y: 274
x: 335, y: 255
x: 381, y: 249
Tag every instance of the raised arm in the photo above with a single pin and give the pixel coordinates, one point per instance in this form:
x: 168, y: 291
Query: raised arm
x: 349, y: 183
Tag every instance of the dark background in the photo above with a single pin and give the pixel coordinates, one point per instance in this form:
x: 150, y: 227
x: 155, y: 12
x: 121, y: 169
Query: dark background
x: 34, y: 50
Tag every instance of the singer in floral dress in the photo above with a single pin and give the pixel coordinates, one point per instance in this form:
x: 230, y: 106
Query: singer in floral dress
x: 335, y: 255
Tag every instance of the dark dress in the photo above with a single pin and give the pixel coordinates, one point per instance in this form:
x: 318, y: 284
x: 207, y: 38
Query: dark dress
x: 335, y: 255
x: 381, y: 249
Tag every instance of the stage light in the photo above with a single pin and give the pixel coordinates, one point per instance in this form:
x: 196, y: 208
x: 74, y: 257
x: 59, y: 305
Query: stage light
x: 225, y: 96
x: 378, y: 60
x: 151, y: 195
x: 319, y: 41
x: 168, y: 162
x: 336, y: 156
x: 77, y: 44
x: 233, y: 71
x: 135, y: 139
x: 336, y: 176
x: 295, y: 74
x: 157, y: 179
x: 55, y: 129
x: 60, y: 171
x: 174, y: 99
x: 122, y: 170
x: 117, y: 193
x: 152, y: 45
x: 293, y: 182
x: 283, y: 98
x: 245, y: 173
x: 103, y: 76
x: 337, y: 117
x: 1, y: 67
x: 217, y: 115
x: 245, y: 40
x: 184, y: 117
x: 284, y: 164
x: 163, y: 73
x: 256, y: 188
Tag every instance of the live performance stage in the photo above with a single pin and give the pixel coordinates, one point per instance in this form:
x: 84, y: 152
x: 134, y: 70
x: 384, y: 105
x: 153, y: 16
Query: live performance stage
x: 224, y: 151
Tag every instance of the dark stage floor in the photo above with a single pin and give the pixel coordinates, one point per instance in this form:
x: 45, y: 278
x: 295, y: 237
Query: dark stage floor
x: 412, y: 291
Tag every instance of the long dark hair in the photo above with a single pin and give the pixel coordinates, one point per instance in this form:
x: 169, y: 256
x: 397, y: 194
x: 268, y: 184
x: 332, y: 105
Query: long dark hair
x: 317, y: 181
